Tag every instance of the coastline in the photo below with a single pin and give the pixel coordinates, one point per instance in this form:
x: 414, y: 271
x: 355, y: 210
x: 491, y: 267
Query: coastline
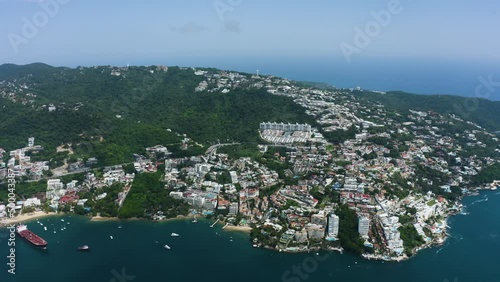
x: 247, y: 230
x: 179, y: 217
x: 244, y: 229
x: 436, y: 242
x: 100, y: 218
x: 28, y: 217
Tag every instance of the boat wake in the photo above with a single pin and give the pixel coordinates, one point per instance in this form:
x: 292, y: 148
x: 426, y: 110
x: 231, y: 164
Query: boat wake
x: 457, y: 238
x: 485, y: 199
x: 464, y: 211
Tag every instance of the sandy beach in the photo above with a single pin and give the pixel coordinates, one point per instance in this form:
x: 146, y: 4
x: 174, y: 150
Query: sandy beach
x: 245, y: 229
x: 28, y: 217
x: 100, y: 218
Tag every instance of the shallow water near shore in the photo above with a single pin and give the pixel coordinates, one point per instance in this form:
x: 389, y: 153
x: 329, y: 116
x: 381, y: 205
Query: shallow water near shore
x: 136, y: 253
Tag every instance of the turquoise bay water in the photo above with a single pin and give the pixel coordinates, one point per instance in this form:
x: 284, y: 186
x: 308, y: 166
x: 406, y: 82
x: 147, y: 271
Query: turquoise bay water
x: 208, y: 254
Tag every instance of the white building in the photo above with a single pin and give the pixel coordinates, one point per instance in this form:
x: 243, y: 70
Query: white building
x: 319, y: 219
x: 285, y: 127
x: 54, y: 189
x: 234, y: 177
x: 72, y: 185
x: 3, y: 213
x: 31, y: 141
x: 176, y: 195
x: 53, y: 184
x: 233, y: 209
x: 82, y: 202
x: 333, y: 226
x: 168, y: 165
x: 198, y: 201
x: 202, y: 168
x: 32, y: 202
x: 364, y: 226
x: 101, y: 196
x: 315, y: 231
x: 394, y: 241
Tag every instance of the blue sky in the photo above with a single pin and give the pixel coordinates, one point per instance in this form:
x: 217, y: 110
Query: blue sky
x: 192, y: 32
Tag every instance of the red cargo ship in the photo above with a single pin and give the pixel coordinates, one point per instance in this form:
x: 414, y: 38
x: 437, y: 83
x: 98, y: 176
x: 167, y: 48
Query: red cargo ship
x: 34, y: 239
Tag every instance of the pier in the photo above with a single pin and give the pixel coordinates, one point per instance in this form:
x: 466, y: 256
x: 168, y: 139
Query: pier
x: 214, y: 223
x: 225, y: 226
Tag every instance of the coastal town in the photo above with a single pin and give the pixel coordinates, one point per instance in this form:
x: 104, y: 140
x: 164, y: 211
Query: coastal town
x: 379, y: 183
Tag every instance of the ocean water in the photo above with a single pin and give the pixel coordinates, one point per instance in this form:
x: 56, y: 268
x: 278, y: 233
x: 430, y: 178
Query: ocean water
x: 202, y: 253
x: 413, y: 75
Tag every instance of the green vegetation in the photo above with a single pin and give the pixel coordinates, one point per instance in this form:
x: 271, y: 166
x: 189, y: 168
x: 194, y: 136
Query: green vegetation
x: 240, y: 151
x: 404, y: 219
x: 269, y: 191
x: 127, y: 139
x: 148, y: 104
x: 410, y: 238
x: 380, y: 141
x: 488, y: 174
x: 339, y: 136
x: 108, y: 207
x: 348, y: 230
x: 486, y: 114
x: 24, y: 190
x: 148, y: 196
x: 266, y: 235
x: 290, y: 203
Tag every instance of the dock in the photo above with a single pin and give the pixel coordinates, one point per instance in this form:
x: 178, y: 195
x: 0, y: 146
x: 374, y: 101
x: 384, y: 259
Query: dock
x: 225, y: 226
x: 214, y: 223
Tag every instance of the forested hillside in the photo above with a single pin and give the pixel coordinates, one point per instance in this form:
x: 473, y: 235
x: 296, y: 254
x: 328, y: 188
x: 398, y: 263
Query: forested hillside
x: 113, y: 112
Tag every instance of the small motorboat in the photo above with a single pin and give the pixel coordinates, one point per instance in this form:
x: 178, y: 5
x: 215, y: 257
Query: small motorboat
x: 167, y: 247
x: 83, y: 248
